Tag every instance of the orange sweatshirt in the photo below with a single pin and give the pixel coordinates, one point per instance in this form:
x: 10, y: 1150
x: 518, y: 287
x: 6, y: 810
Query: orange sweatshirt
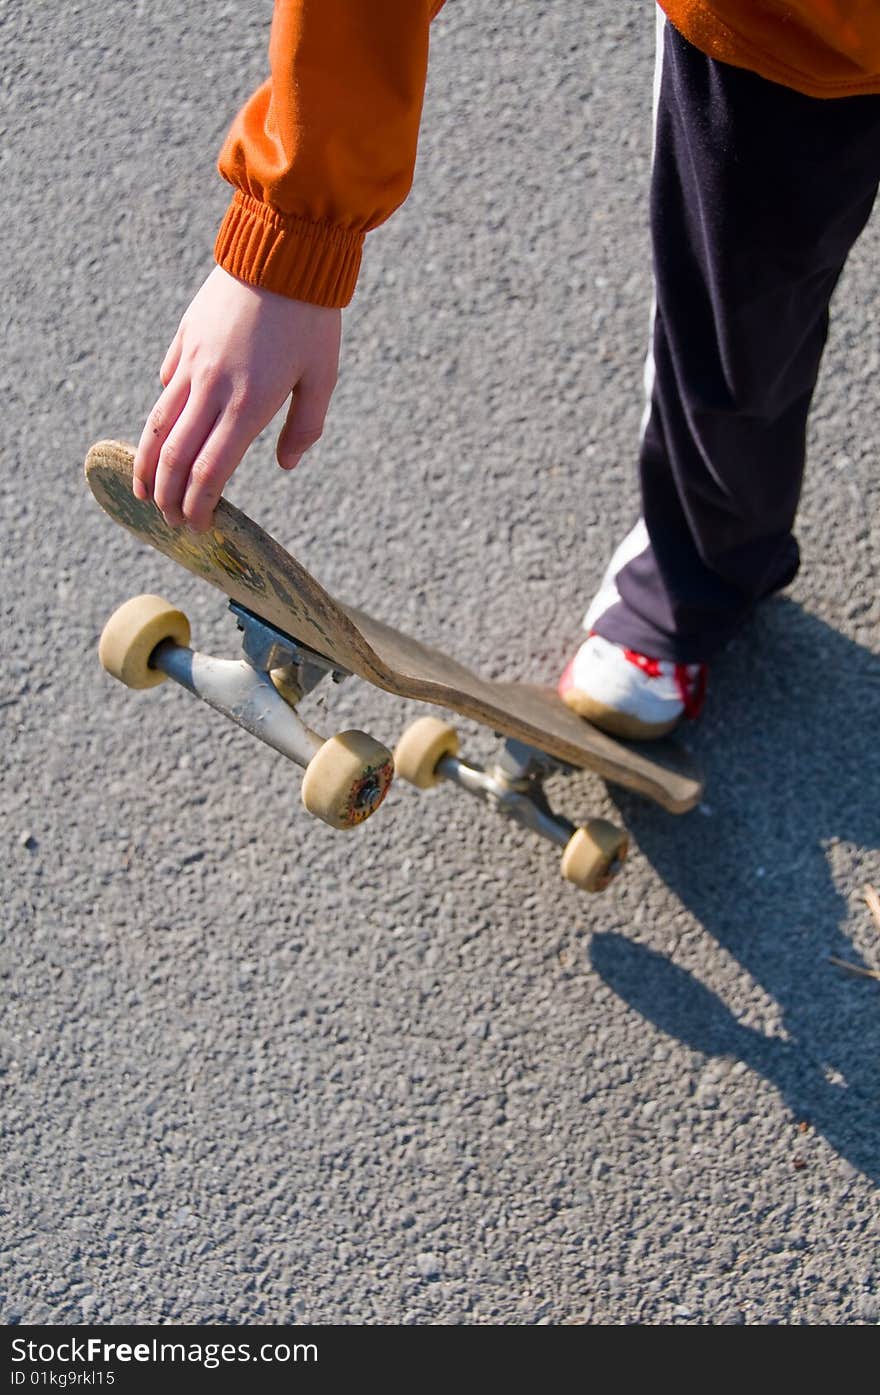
x: 325, y: 149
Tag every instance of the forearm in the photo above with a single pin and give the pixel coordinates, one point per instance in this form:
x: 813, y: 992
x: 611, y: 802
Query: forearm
x: 325, y: 150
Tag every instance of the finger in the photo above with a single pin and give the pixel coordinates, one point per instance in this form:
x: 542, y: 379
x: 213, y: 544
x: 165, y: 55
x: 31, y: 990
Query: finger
x: 217, y: 460
x: 176, y: 457
x: 171, y: 359
x: 304, y: 422
x: 156, y: 428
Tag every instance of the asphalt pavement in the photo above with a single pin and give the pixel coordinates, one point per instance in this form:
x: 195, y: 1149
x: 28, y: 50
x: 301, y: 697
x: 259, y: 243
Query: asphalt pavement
x: 256, y: 1071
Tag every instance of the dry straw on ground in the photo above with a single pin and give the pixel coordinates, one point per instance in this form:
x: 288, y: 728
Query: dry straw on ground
x: 873, y: 901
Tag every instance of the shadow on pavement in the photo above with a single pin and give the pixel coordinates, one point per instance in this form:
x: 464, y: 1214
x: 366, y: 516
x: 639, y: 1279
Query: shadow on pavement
x: 792, y: 759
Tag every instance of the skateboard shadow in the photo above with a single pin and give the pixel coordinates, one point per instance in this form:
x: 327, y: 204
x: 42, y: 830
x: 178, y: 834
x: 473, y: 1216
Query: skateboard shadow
x: 792, y: 760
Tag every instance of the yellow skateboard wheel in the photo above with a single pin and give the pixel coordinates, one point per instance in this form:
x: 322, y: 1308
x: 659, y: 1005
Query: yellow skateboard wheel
x: 133, y: 632
x: 346, y: 781
x: 593, y: 855
x: 421, y: 748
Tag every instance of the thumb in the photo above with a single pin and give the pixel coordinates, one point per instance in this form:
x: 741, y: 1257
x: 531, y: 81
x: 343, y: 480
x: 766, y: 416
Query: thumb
x: 304, y: 422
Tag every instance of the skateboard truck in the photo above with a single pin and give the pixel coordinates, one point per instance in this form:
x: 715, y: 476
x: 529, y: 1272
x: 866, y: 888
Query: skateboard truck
x: 294, y: 668
x: 346, y: 777
x: 514, y: 786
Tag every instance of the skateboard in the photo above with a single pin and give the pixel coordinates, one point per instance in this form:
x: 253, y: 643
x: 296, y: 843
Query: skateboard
x: 295, y: 636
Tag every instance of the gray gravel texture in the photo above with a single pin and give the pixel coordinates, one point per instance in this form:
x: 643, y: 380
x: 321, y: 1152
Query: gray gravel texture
x: 256, y: 1071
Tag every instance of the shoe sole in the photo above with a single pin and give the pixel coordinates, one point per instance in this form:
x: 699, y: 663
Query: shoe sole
x: 616, y: 723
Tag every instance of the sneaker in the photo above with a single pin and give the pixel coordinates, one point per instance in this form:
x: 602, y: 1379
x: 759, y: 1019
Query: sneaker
x: 628, y: 694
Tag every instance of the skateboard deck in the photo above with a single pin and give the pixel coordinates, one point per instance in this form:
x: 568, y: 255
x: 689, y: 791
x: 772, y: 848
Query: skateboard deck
x: 251, y: 568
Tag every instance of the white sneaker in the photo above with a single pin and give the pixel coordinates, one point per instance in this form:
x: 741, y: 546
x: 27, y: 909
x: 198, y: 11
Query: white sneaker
x: 628, y: 694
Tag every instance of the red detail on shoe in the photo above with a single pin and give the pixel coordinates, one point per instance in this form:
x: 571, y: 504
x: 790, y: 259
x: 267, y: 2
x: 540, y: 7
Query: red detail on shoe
x: 650, y: 667
x: 692, y: 688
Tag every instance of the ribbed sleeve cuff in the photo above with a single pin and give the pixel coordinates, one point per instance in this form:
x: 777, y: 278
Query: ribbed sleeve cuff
x: 296, y: 258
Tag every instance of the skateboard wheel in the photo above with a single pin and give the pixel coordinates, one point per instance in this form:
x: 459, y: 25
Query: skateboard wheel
x: 593, y: 855
x: 421, y: 748
x: 132, y: 633
x: 346, y: 781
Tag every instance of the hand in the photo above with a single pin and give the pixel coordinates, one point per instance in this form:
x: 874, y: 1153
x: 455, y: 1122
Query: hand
x: 239, y: 352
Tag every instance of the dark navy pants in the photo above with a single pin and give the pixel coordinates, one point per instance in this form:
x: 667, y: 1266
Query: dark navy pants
x: 758, y: 193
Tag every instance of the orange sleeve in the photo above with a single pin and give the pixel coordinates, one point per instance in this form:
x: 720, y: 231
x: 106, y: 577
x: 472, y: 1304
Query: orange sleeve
x: 325, y: 149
